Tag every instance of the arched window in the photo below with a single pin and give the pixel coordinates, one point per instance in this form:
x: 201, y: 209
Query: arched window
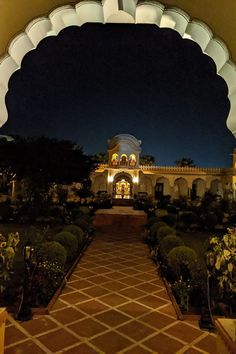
x: 132, y: 160
x: 114, y: 159
x: 123, y: 160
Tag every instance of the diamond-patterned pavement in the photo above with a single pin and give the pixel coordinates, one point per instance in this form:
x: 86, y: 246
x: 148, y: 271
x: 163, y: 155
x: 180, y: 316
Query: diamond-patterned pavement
x: 114, y: 302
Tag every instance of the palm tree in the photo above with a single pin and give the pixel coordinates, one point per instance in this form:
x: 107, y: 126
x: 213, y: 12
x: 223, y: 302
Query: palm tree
x: 185, y: 162
x: 147, y: 160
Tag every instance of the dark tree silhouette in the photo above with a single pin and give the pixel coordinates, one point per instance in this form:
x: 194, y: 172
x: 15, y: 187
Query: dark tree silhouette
x: 43, y: 161
x: 147, y: 160
x: 185, y: 162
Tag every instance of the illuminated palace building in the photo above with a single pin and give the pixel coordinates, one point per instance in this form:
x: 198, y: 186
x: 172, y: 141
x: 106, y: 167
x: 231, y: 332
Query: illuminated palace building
x: 124, y: 178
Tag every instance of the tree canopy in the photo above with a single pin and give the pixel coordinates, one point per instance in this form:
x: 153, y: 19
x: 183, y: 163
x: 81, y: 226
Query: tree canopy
x: 146, y: 160
x: 100, y: 158
x: 185, y: 162
x: 43, y: 161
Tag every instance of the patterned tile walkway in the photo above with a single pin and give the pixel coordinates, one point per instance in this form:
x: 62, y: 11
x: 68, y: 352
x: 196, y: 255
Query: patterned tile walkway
x: 113, y: 303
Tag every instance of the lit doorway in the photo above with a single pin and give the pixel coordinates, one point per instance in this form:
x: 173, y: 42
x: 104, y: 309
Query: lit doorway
x: 122, y: 188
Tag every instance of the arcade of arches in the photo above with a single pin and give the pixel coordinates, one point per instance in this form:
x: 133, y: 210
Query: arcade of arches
x: 124, y: 178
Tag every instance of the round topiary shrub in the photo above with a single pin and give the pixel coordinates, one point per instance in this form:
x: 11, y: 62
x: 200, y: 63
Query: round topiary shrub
x: 69, y: 241
x: 84, y: 209
x: 168, y: 243
x: 75, y: 230
x: 164, y: 231
x: 53, y: 252
x: 152, y: 220
x: 169, y: 219
x: 156, y: 226
x: 87, y: 218
x: 188, y: 218
x: 82, y: 223
x: 182, y: 261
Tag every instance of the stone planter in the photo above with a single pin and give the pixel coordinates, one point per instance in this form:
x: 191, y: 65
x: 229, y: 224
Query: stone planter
x: 3, y: 317
x: 226, y: 336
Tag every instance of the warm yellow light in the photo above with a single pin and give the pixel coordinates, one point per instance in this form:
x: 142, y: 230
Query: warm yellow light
x: 110, y: 179
x: 135, y: 179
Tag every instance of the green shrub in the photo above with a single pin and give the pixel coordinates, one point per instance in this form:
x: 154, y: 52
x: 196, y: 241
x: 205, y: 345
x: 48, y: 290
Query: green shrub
x: 87, y: 218
x: 155, y: 227
x: 188, y: 218
x: 76, y: 213
x: 53, y: 252
x: 75, y: 230
x: 164, y: 231
x: 84, y: 209
x: 168, y: 243
x: 161, y: 212
x: 182, y: 261
x: 48, y: 274
x: 34, y: 235
x: 169, y: 219
x: 82, y: 223
x: 210, y: 221
x: 152, y: 220
x: 69, y: 241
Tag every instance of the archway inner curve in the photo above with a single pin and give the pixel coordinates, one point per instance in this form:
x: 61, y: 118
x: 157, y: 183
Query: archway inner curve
x: 135, y: 86
x: 119, y: 12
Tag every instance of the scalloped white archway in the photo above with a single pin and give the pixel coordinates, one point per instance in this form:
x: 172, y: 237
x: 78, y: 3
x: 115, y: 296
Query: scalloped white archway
x: 119, y: 11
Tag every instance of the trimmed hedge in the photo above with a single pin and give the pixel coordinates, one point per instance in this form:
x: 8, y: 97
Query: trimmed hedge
x: 69, y: 241
x: 53, y: 252
x: 75, y: 230
x: 85, y: 210
x: 151, y: 221
x: 156, y: 226
x: 182, y: 259
x: 168, y: 243
x: 169, y: 219
x: 164, y: 231
x: 82, y: 223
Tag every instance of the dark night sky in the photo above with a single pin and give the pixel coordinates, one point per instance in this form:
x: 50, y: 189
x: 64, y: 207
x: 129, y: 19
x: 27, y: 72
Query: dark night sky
x: 92, y: 82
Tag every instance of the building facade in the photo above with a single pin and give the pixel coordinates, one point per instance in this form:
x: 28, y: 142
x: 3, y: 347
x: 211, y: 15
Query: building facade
x: 123, y: 176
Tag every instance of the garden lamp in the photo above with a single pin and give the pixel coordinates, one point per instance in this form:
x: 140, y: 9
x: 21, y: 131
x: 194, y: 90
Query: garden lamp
x: 25, y: 312
x: 210, y: 259
x: 206, y: 321
x: 28, y: 251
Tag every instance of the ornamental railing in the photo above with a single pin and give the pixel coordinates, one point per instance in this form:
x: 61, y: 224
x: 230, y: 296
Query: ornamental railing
x: 176, y: 169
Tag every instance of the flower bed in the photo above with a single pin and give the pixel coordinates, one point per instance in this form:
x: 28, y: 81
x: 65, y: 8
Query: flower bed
x: 186, y: 274
x: 46, y: 266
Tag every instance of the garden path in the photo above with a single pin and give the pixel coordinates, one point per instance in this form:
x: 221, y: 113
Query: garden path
x: 114, y: 302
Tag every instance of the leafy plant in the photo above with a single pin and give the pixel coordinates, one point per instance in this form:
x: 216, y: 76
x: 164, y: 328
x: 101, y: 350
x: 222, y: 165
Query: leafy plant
x: 164, y: 231
x: 182, y: 290
x: 47, y: 278
x: 8, y: 248
x: 168, y: 243
x: 82, y: 223
x: 156, y: 226
x: 169, y: 219
x: 53, y: 252
x: 69, y: 241
x: 75, y: 230
x: 182, y: 261
x: 225, y: 266
x: 152, y: 220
